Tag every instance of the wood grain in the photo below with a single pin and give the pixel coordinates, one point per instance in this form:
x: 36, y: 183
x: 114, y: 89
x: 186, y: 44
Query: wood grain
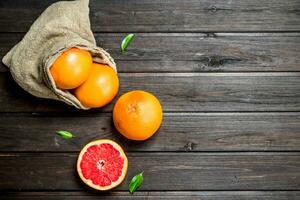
x: 162, y: 171
x: 196, y: 52
x: 166, y: 16
x: 233, y: 135
x: 182, y: 92
x: 179, y: 132
x: 224, y: 195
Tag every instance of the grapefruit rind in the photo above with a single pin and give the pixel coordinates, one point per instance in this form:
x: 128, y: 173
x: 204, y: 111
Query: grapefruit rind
x: 124, y: 170
x: 128, y: 115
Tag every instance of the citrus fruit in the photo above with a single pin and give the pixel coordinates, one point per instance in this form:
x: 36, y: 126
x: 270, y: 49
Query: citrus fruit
x: 71, y: 68
x: 100, y: 88
x: 102, y: 164
x: 137, y: 115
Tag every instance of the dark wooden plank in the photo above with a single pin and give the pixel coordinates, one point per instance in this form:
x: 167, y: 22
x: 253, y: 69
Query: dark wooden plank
x: 182, y: 52
x: 179, y: 132
x: 206, y: 52
x: 162, y: 171
x: 183, y: 92
x: 224, y: 195
x: 167, y: 16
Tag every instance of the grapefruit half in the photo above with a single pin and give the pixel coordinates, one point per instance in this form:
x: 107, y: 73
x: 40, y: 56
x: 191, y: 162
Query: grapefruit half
x: 102, y: 164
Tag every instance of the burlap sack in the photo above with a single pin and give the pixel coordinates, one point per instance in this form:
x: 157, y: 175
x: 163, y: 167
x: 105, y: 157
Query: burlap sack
x: 61, y: 26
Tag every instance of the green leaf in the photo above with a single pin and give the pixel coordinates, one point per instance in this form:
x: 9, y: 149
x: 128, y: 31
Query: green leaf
x: 126, y: 41
x: 136, y: 182
x: 65, y: 134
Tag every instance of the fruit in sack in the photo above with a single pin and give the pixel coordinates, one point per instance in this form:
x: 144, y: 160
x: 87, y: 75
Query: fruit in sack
x: 71, y: 68
x: 100, y: 88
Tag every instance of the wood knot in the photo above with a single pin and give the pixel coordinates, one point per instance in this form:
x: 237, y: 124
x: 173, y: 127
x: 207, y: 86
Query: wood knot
x: 213, y: 9
x: 189, y: 146
x: 210, y: 35
x: 215, y: 61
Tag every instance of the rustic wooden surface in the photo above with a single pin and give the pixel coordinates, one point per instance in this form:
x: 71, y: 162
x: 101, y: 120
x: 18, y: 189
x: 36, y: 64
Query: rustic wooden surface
x: 196, y: 52
x: 163, y: 171
x: 168, y: 15
x: 227, y: 74
x: 192, y: 195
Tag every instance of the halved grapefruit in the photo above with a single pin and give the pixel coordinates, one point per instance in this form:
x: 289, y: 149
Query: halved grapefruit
x: 102, y: 164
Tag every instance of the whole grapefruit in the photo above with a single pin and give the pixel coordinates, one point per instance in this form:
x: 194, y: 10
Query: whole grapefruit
x: 100, y: 88
x: 137, y: 115
x: 71, y: 68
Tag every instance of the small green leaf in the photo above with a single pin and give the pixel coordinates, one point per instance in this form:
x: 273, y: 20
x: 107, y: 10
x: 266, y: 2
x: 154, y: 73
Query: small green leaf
x: 65, y: 134
x: 126, y: 41
x: 136, y: 182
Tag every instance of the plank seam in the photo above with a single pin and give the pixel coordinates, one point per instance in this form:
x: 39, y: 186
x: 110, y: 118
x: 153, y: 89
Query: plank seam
x: 166, y: 113
x: 142, y: 190
x: 154, y: 153
x: 184, y: 31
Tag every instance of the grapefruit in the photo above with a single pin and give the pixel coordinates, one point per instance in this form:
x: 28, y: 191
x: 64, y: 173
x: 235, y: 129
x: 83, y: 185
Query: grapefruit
x: 100, y: 88
x: 71, y: 68
x: 102, y: 164
x: 137, y: 115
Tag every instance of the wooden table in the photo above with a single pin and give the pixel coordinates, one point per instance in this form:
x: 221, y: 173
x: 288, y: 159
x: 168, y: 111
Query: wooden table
x: 227, y: 74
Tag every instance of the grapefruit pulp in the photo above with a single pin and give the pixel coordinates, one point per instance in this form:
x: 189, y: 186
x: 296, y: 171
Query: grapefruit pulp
x: 102, y: 164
